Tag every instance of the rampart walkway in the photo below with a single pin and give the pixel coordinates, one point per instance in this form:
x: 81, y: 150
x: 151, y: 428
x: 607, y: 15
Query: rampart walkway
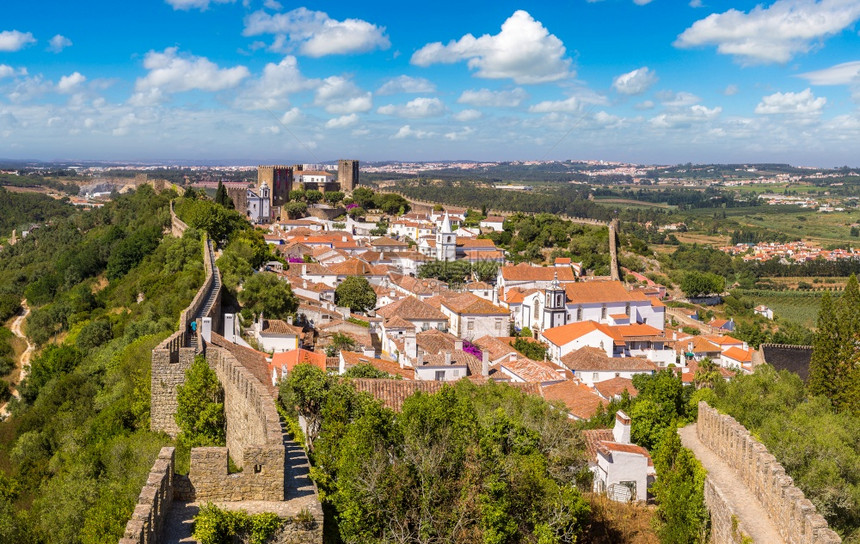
x: 751, y: 515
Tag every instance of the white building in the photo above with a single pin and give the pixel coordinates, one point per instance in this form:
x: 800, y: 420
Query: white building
x: 764, y: 311
x: 622, y: 470
x: 591, y: 366
x: 258, y: 210
x: 446, y: 241
x: 274, y: 335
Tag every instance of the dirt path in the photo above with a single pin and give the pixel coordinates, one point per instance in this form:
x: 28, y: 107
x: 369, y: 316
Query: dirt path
x: 742, y: 502
x: 23, y: 363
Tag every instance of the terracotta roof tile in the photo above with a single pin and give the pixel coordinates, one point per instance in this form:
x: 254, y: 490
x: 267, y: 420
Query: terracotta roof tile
x: 593, y: 359
x: 532, y: 371
x: 353, y: 359
x: 593, y: 438
x: 467, y: 303
x: 297, y: 357
x: 527, y: 272
x: 580, y: 401
x: 738, y: 354
x: 610, y: 388
x: 593, y: 292
x: 565, y: 334
x: 412, y: 309
x: 278, y: 326
x: 435, y: 341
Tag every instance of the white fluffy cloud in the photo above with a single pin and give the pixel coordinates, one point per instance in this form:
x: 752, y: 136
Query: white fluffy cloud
x: 315, y: 34
x: 568, y: 105
x: 202, y: 5
x: 841, y: 74
x: 523, y: 50
x: 70, y: 82
x: 341, y: 96
x: 772, y: 34
x: 343, y: 121
x: 58, y: 43
x: 493, y: 99
x: 418, y: 108
x: 406, y: 84
x: 291, y: 116
x: 170, y: 73
x: 467, y: 115
x: 459, y: 135
x: 8, y: 71
x: 685, y: 117
x: 672, y: 99
x: 802, y: 103
x: 274, y: 86
x: 13, y: 40
x: 636, y: 82
x: 407, y: 131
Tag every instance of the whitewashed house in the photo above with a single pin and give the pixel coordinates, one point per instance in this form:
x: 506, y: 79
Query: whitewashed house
x: 622, y: 470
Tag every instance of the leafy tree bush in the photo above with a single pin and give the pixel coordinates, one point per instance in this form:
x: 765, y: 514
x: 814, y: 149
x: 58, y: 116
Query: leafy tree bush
x: 265, y: 292
x: 355, y: 293
x: 536, y: 351
x: 333, y: 197
x: 296, y: 210
x: 679, y: 490
x: 366, y: 370
x: 313, y: 196
x: 200, y: 406
x: 697, y: 284
x: 94, y: 334
x: 213, y: 525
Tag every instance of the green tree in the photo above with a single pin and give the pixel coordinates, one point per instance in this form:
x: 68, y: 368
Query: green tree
x: 200, y: 406
x: 486, y: 271
x: 297, y: 195
x: 313, y: 196
x: 334, y: 197
x: 265, y: 292
x: 697, y: 284
x: 679, y: 491
x: 296, y: 210
x: 366, y: 370
x: 339, y: 342
x: 363, y: 197
x: 355, y: 293
x: 825, y: 350
x: 708, y: 374
x: 222, y: 198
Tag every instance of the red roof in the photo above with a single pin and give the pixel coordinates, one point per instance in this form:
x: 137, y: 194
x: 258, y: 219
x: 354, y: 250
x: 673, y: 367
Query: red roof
x: 568, y: 333
x: 297, y: 357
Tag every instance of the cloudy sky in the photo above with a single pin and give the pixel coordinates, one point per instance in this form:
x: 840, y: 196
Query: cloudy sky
x: 654, y: 81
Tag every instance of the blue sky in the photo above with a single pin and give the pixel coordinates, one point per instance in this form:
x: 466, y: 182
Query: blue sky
x: 654, y: 81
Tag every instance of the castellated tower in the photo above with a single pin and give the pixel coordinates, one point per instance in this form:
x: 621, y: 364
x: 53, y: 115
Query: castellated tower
x: 347, y: 174
x: 279, y: 179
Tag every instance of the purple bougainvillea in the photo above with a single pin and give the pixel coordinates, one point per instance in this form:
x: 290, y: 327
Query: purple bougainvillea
x: 296, y: 260
x: 351, y: 206
x: 472, y: 349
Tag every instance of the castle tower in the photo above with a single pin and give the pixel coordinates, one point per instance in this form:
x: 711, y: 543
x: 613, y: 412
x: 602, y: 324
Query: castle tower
x: 280, y: 181
x: 446, y: 241
x: 554, y: 312
x: 347, y: 174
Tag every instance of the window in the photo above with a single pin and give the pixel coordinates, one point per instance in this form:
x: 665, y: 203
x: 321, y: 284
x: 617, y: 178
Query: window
x: 627, y: 309
x: 498, y: 324
x: 440, y: 375
x: 603, y: 312
x: 595, y: 376
x: 470, y: 325
x: 579, y: 314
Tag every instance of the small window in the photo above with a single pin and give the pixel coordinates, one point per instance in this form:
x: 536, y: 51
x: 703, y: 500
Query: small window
x: 627, y: 309
x: 440, y: 375
x: 603, y: 312
x: 579, y: 314
x: 595, y: 376
x: 258, y: 469
x: 471, y: 325
x: 498, y: 324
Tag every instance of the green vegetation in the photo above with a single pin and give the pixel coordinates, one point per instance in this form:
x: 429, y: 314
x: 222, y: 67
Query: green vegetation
x: 818, y: 445
x: 699, y: 284
x: 24, y: 209
x: 682, y: 517
x: 265, y: 293
x: 536, y: 351
x: 355, y: 293
x: 200, y: 407
x: 78, y: 448
x: 52, y: 180
x: 468, y: 464
x: 212, y: 525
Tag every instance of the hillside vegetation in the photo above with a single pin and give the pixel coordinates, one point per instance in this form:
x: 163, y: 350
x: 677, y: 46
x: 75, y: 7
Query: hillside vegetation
x: 106, y: 286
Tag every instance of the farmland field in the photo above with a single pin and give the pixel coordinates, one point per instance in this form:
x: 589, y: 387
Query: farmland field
x: 800, y: 307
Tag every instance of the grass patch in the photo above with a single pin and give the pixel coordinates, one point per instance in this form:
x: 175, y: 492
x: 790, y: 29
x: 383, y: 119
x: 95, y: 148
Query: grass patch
x: 800, y: 307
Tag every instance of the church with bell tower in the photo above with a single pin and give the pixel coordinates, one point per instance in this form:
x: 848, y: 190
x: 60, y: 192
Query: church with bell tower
x: 446, y: 241
x: 554, y: 312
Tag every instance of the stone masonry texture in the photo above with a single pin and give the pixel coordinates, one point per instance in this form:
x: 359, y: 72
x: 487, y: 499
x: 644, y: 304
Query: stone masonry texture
x: 791, y: 512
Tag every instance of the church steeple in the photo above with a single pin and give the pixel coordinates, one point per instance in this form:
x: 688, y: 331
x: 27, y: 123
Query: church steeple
x: 554, y: 312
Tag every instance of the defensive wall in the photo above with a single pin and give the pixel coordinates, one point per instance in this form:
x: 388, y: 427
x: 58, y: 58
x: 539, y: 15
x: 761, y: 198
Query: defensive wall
x: 793, y: 514
x: 273, y: 470
x: 177, y: 226
x: 172, y: 357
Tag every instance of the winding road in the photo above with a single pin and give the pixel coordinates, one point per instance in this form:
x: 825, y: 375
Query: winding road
x: 23, y: 362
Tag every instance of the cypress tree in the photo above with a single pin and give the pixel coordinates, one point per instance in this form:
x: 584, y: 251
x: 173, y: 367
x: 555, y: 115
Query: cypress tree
x: 845, y: 372
x: 221, y: 194
x: 825, y: 351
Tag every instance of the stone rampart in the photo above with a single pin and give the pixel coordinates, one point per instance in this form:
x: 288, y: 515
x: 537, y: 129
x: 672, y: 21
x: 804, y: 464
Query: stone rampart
x: 792, y: 513
x: 726, y: 528
x: 154, y: 502
x: 172, y: 357
x: 177, y: 226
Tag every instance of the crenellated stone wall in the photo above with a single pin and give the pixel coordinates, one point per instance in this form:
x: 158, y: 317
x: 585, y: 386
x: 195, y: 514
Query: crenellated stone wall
x: 172, y: 357
x: 792, y: 513
x: 177, y: 226
x: 154, y: 502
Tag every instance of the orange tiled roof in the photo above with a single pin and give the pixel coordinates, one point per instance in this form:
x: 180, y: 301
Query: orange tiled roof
x: 527, y: 272
x: 298, y: 357
x: 532, y: 371
x: 593, y: 437
x: 616, y: 386
x: 351, y: 267
x: 593, y: 292
x: 637, y: 330
x: 738, y: 354
x: 466, y: 303
x: 606, y: 447
x: 410, y: 308
x: 565, y: 334
x: 278, y: 326
x: 593, y: 359
x: 435, y: 341
x: 580, y: 401
x: 724, y: 340
x: 354, y: 359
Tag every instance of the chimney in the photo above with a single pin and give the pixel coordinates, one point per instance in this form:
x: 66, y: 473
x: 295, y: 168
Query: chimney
x: 229, y: 327
x: 513, y: 357
x: 458, y: 345
x: 304, y: 269
x: 485, y: 363
x: 290, y: 320
x: 206, y: 329
x: 447, y: 357
x: 621, y: 431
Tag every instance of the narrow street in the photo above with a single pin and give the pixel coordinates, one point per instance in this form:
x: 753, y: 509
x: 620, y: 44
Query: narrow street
x: 23, y: 363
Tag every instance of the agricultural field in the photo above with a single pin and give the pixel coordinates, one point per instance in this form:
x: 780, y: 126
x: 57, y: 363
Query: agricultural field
x: 801, y: 307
